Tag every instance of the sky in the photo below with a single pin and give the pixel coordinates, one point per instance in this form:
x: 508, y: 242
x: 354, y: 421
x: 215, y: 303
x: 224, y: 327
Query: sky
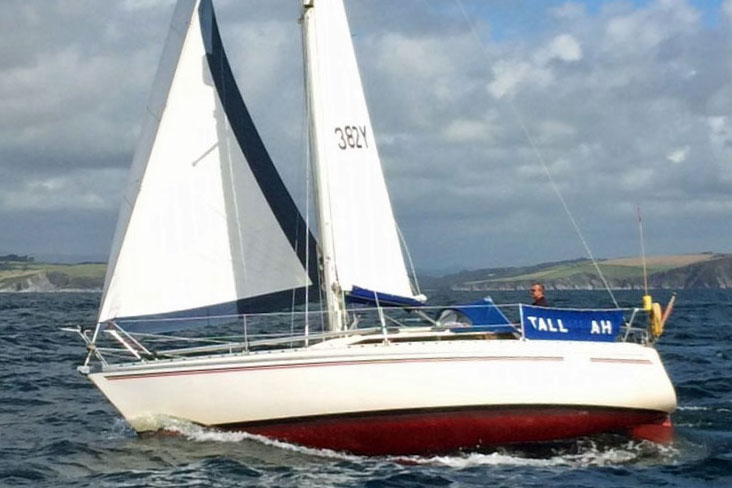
x: 485, y: 111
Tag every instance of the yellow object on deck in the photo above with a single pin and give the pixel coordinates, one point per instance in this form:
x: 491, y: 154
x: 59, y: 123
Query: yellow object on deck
x: 656, y: 320
x: 647, y: 300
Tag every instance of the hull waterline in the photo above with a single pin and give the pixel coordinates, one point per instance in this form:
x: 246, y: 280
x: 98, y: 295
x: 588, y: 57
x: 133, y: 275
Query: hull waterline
x: 451, y: 430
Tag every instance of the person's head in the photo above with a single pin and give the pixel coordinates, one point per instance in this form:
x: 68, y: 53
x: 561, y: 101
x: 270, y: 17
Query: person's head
x: 537, y: 290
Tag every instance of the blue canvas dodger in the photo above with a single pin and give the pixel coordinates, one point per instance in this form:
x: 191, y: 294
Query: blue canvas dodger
x: 481, y: 315
x: 555, y: 324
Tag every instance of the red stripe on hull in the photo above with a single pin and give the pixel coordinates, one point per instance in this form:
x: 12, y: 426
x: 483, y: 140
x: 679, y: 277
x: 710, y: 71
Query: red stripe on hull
x: 434, y: 432
x: 238, y: 369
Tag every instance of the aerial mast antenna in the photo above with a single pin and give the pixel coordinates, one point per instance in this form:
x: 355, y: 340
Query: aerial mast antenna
x: 646, y: 297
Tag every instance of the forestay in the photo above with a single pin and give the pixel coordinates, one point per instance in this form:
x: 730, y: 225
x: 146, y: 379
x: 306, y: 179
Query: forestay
x: 206, y: 226
x: 356, y: 220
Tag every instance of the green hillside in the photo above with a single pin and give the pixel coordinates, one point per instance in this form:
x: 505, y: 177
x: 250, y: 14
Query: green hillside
x: 22, y: 273
x: 706, y: 270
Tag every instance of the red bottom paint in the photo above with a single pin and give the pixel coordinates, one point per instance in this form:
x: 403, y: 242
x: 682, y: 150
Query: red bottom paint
x: 433, y: 432
x: 662, y: 433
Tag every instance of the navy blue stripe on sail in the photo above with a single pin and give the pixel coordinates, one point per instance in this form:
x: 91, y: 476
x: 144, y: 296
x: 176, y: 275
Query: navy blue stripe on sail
x: 262, y: 167
x: 362, y: 295
x: 216, y: 314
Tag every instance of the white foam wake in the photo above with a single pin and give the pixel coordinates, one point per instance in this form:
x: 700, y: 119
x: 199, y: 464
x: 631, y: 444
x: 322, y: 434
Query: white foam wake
x: 695, y: 408
x: 587, y: 454
x: 199, y: 433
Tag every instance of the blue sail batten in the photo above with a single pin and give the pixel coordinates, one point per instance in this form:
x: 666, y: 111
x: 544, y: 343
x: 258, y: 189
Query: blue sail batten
x: 370, y: 297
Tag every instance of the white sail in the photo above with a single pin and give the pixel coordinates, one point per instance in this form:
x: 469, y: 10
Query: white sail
x: 356, y: 219
x: 199, y: 231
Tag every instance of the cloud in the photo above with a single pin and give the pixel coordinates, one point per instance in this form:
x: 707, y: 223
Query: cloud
x: 568, y: 11
x: 679, y: 155
x: 727, y: 9
x: 640, y: 32
x: 627, y: 103
x: 720, y: 131
x: 77, y: 190
x: 564, y: 47
x: 464, y: 130
x: 133, y: 5
x: 553, y: 131
x: 509, y: 75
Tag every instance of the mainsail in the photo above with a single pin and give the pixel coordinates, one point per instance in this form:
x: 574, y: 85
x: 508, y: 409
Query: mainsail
x: 207, y: 227
x: 358, y: 230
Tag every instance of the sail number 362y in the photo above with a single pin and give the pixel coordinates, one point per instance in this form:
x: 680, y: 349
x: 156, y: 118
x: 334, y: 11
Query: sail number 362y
x: 351, y: 137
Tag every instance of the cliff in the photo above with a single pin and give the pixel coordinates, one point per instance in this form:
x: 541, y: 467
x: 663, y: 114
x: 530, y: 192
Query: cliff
x: 29, y: 276
x: 707, y: 270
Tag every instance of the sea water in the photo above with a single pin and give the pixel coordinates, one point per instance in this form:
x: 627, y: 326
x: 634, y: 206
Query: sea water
x: 56, y: 429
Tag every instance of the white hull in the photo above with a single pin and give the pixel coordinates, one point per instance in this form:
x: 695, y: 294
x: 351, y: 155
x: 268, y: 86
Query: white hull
x: 321, y: 382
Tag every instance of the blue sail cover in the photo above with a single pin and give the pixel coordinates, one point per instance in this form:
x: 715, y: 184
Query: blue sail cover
x: 556, y: 324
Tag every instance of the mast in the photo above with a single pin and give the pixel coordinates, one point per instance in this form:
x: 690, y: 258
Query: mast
x: 335, y: 305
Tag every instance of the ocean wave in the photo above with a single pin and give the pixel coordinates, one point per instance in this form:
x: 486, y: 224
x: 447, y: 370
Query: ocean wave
x: 700, y: 408
x: 584, y: 453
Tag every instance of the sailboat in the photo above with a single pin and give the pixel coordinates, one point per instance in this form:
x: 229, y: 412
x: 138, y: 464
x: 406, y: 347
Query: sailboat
x: 208, y: 237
